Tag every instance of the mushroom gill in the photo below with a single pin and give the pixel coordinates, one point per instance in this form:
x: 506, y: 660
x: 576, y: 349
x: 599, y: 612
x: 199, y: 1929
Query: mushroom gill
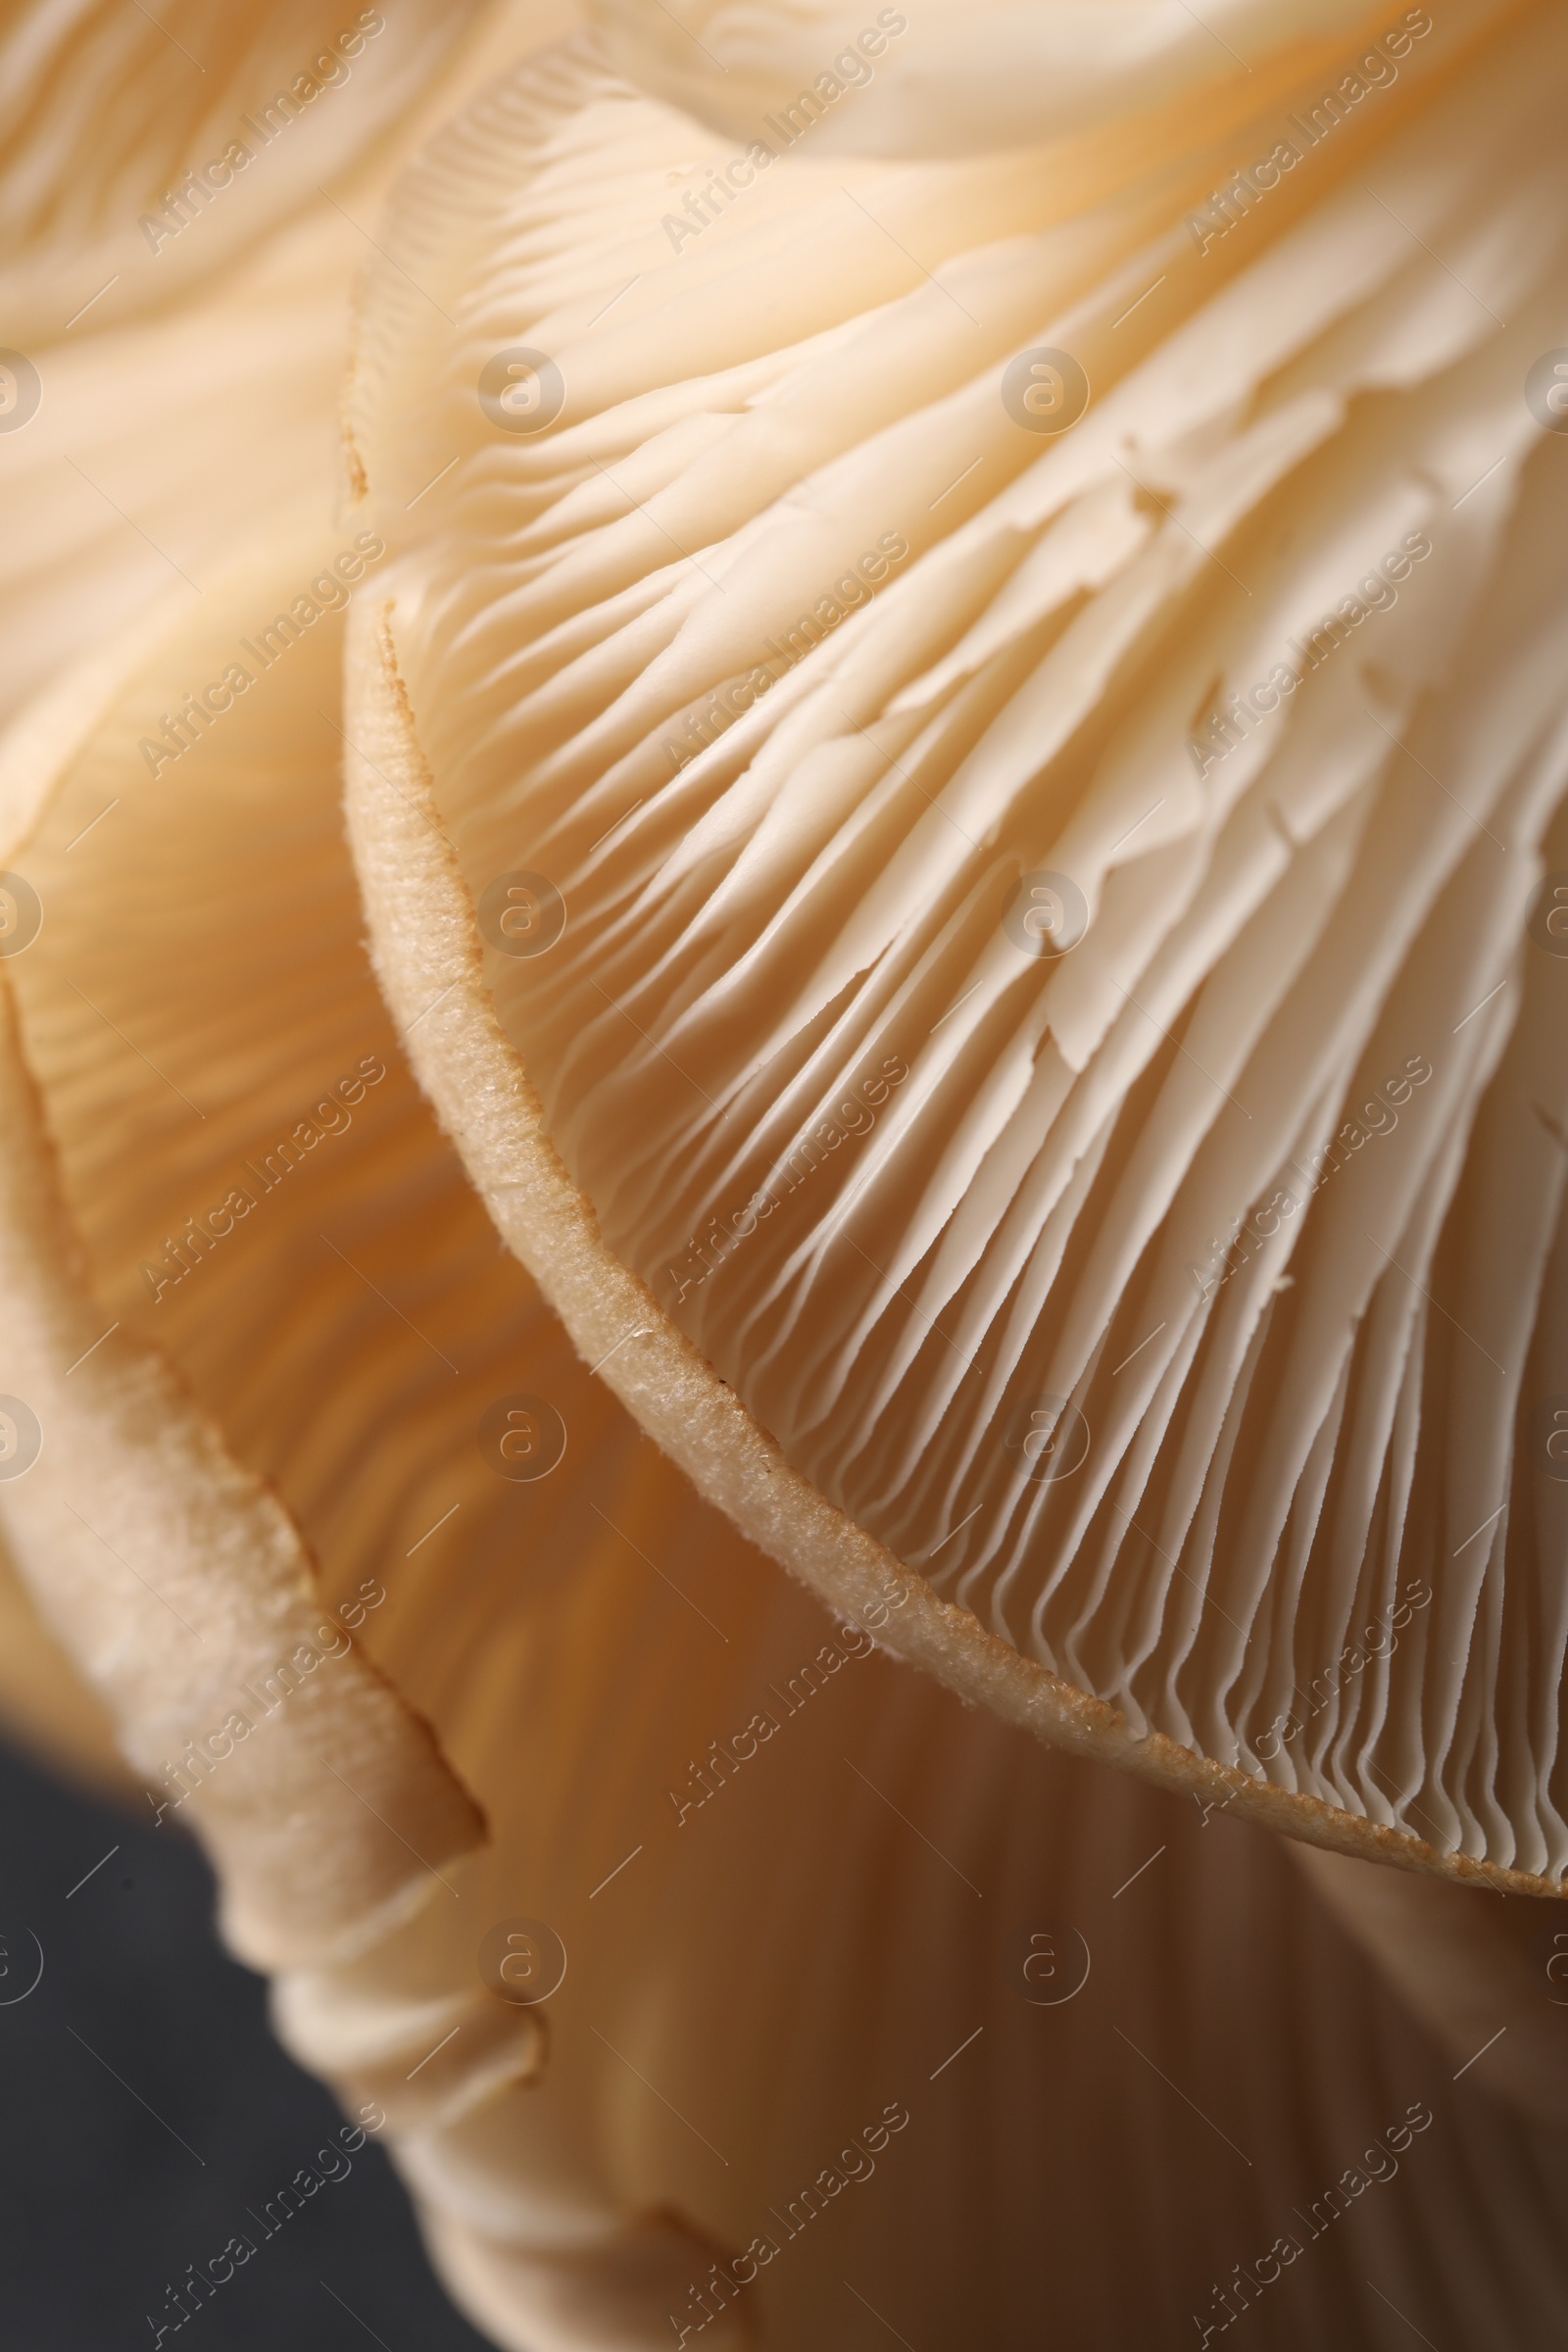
x: 184, y: 205
x: 991, y: 725
x: 855, y: 1986
x: 873, y: 956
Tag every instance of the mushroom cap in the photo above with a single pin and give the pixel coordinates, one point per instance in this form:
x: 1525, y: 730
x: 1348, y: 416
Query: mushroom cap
x: 1015, y: 1008
x: 965, y: 76
x: 798, y: 1885
x: 128, y: 148
x: 258, y: 1314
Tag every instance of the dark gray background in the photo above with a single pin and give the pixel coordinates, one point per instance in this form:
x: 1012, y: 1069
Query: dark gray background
x: 101, y: 2204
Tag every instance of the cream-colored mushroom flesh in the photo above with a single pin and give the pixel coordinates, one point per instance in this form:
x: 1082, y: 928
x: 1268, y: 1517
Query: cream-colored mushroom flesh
x: 940, y: 638
x: 798, y: 1886
x: 952, y: 771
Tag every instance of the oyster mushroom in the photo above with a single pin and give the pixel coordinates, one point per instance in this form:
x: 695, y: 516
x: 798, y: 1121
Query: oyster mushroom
x: 185, y: 206
x: 1023, y: 1040
x: 946, y: 78
x: 804, y: 1897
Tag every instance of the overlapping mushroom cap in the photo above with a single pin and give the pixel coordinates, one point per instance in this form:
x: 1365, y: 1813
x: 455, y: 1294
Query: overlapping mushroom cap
x: 953, y: 79
x: 1000, y: 724
x: 864, y: 1201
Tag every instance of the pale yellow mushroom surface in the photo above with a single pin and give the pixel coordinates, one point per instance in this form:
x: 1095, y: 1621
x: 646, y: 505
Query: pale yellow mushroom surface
x: 709, y: 1134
